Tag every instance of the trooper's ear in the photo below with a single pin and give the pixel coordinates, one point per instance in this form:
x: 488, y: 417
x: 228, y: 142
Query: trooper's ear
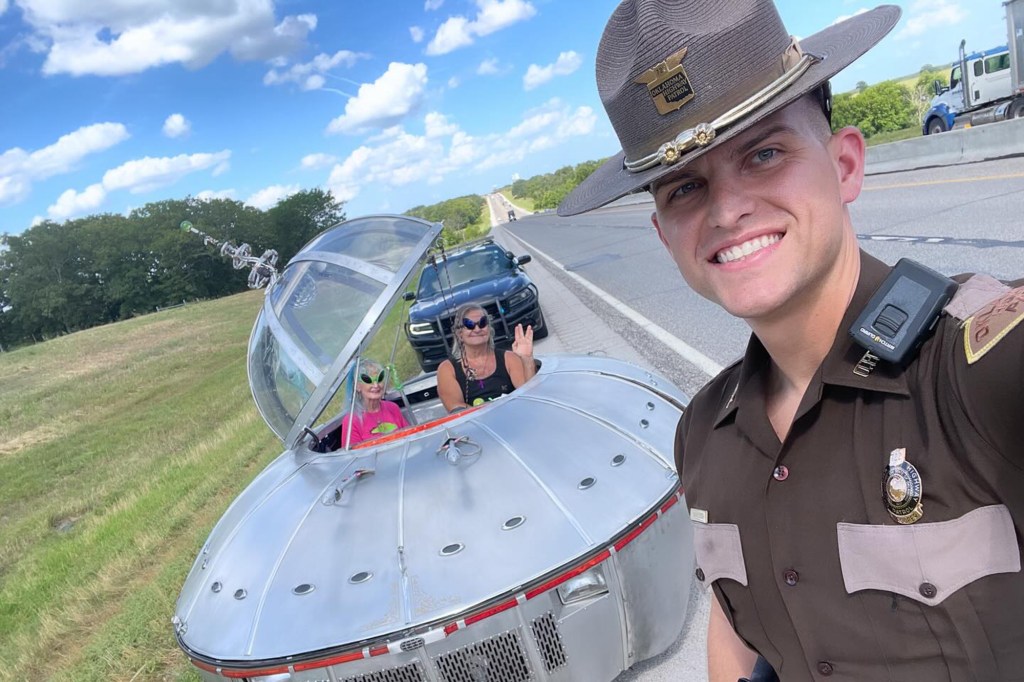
x: 657, y: 227
x: 848, y: 153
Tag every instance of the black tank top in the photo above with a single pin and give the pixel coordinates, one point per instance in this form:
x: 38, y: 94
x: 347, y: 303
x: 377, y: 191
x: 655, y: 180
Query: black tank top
x: 478, y: 391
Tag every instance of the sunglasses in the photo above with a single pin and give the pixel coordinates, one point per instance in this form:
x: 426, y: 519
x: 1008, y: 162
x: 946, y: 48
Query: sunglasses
x: 367, y: 379
x: 471, y: 325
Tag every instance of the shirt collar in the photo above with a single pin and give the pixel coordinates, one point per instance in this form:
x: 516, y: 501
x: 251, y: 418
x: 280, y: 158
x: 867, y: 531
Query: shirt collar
x: 836, y: 369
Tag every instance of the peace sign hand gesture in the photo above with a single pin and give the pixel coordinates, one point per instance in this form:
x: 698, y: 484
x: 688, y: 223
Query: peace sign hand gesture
x: 523, y: 344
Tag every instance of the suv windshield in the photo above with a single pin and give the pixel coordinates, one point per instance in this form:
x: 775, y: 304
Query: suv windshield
x: 462, y: 268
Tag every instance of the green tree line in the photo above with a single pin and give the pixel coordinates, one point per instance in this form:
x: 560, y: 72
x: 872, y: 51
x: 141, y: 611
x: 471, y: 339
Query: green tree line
x: 456, y: 214
x: 548, y: 190
x: 887, y: 106
x: 57, y: 278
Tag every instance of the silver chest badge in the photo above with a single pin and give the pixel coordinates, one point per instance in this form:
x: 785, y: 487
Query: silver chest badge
x: 901, y: 488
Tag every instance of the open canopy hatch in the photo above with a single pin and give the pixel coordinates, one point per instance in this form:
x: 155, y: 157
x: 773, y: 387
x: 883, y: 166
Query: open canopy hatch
x: 326, y: 305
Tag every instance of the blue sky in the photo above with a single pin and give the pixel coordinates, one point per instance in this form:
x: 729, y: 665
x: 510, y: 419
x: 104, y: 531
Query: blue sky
x: 111, y: 104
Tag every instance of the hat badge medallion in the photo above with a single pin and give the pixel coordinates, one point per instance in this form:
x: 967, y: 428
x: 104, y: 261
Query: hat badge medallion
x: 667, y: 83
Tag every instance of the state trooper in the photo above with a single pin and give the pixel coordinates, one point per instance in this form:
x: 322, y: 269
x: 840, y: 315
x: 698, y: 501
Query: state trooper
x: 858, y: 509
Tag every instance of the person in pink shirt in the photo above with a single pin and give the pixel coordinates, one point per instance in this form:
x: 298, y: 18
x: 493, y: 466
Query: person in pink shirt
x: 371, y: 415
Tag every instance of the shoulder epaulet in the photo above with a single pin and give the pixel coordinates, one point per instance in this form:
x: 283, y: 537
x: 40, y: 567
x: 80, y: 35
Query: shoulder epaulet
x: 974, y: 292
x: 990, y: 324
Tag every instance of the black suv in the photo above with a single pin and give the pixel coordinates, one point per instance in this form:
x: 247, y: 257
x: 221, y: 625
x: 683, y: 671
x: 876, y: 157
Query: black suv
x: 483, y: 273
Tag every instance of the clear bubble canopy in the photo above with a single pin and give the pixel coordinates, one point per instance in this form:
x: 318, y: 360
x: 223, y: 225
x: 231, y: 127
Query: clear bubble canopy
x: 323, y: 309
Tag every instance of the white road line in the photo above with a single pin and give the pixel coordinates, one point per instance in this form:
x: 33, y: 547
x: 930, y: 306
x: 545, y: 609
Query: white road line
x: 688, y: 353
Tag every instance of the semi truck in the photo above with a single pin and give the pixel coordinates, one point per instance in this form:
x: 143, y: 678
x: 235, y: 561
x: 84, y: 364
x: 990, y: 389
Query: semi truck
x: 984, y: 86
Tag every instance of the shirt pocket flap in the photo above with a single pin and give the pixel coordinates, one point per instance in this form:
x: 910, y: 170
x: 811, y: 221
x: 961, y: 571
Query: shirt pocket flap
x: 718, y: 551
x: 928, y: 562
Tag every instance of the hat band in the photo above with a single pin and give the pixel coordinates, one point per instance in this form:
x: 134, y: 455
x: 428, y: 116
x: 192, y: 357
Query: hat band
x: 702, y: 134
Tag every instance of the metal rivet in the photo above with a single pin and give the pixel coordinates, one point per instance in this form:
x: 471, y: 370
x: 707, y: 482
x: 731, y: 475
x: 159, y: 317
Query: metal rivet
x: 304, y: 588
x: 451, y: 549
x: 644, y: 423
x: 360, y: 577
x: 514, y: 522
x: 216, y: 587
x: 618, y: 459
x: 587, y: 482
x: 240, y: 594
x: 650, y: 406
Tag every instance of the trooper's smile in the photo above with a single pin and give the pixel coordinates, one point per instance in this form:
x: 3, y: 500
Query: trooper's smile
x: 751, y: 246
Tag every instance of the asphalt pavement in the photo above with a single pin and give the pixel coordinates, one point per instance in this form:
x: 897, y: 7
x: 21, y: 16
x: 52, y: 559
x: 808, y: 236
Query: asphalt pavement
x: 575, y: 328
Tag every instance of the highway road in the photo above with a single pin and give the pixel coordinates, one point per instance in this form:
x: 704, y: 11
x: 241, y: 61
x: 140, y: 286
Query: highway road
x: 967, y: 218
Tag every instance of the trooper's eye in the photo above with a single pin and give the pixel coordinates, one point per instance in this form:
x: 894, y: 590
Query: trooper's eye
x: 765, y: 155
x: 685, y: 188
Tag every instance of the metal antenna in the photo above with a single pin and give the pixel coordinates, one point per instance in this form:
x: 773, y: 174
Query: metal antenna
x: 263, y: 270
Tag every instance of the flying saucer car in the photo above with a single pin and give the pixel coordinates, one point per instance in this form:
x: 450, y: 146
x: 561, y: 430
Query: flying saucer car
x: 541, y: 536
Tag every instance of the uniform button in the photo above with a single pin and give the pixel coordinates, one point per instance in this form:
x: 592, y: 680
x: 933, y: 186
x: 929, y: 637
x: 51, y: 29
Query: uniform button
x: 928, y: 591
x: 825, y: 668
x: 791, y: 577
x: 700, y: 574
x: 781, y: 473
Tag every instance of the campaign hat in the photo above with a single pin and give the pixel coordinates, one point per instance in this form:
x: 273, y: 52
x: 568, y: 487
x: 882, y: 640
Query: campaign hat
x: 679, y: 77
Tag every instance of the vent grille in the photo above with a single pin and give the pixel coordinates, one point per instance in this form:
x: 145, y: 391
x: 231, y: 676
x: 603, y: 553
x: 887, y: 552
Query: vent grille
x: 498, y: 659
x: 549, y: 641
x: 411, y: 644
x: 407, y: 673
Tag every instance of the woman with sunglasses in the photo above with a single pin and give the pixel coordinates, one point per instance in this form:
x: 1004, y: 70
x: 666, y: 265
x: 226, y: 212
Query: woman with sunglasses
x: 371, y: 415
x: 477, y: 371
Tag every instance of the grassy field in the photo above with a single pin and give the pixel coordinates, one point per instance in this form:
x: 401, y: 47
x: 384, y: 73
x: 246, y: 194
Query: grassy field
x: 523, y: 202
x: 120, y: 447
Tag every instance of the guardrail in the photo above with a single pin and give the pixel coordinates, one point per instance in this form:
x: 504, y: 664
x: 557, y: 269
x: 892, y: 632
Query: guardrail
x: 965, y: 145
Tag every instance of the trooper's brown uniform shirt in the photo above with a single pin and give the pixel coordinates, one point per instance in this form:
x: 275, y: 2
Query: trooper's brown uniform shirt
x: 796, y: 537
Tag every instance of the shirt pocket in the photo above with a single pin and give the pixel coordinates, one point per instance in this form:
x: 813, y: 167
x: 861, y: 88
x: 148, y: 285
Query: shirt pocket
x: 928, y: 562
x: 719, y: 552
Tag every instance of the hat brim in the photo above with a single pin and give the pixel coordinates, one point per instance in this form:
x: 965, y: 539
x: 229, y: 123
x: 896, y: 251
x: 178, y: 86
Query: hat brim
x: 838, y: 45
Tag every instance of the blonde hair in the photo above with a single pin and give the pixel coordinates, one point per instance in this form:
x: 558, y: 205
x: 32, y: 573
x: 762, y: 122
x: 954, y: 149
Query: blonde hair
x: 457, y: 327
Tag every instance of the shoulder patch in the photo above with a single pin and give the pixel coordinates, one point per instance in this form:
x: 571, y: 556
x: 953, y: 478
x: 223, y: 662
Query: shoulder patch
x: 984, y: 329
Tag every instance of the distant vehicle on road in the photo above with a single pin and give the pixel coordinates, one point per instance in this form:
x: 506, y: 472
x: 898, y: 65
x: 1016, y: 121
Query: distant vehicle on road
x: 511, y: 216
x: 481, y: 272
x: 984, y: 87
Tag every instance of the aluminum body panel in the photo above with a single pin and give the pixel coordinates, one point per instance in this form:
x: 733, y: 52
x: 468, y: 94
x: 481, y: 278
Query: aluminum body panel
x: 537, y: 445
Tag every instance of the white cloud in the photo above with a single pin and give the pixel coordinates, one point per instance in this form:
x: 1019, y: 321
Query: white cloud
x: 495, y: 15
x: 437, y: 125
x: 844, y: 17
x: 310, y: 75
x: 137, y: 176
x: 385, y: 101
x: 926, y: 15
x: 430, y: 5
x: 71, y: 203
x: 268, y: 197
x: 176, y: 125
x: 398, y: 158
x: 492, y: 15
x: 211, y: 194
x: 148, y: 173
x: 488, y: 67
x: 546, y: 127
x: 416, y: 33
x: 566, y: 64
x: 453, y: 82
x: 315, y: 161
x: 18, y: 168
x: 3, y: 6
x: 117, y: 38
x: 454, y: 33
